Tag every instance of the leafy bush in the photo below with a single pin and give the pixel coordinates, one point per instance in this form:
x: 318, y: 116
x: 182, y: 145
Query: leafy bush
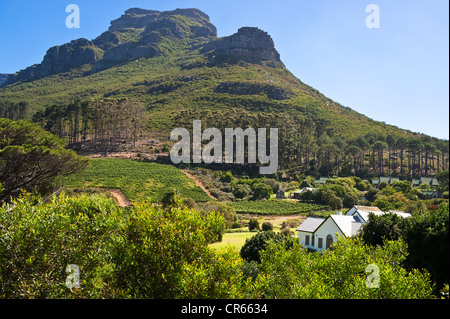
x: 38, y: 241
x: 250, y: 251
x: 261, y: 190
x: 272, y: 183
x: 31, y: 159
x: 266, y: 226
x: 426, y: 234
x: 141, y: 252
x: 241, y: 191
x: 253, y: 224
x: 341, y: 272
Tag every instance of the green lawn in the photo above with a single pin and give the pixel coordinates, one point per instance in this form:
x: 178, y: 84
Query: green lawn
x: 138, y: 180
x: 235, y: 240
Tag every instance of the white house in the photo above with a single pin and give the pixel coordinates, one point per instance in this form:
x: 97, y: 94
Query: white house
x: 362, y: 212
x: 320, y: 233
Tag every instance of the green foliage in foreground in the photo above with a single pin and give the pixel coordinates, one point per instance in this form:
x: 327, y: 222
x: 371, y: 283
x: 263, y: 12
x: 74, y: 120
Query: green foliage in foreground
x: 151, y: 252
x: 137, y: 180
x: 426, y: 234
x: 341, y: 272
x: 275, y: 207
x: 142, y: 253
x: 31, y: 159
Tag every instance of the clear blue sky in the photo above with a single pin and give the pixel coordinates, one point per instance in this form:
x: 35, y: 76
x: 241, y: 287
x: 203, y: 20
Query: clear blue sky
x: 398, y: 73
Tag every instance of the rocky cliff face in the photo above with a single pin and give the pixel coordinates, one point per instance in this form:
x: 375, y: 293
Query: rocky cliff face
x: 143, y: 33
x: 60, y: 59
x: 248, y: 44
x: 3, y: 78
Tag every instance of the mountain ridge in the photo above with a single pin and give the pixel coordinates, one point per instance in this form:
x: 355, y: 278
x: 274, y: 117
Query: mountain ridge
x: 141, y: 33
x: 174, y: 63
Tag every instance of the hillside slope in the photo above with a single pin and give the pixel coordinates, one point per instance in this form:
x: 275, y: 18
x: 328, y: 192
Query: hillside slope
x: 174, y: 63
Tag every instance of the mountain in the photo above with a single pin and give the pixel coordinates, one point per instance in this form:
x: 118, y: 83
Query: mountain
x: 174, y: 63
x: 3, y: 78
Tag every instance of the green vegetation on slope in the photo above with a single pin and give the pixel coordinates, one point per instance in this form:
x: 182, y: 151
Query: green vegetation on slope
x: 275, y: 207
x: 138, y: 180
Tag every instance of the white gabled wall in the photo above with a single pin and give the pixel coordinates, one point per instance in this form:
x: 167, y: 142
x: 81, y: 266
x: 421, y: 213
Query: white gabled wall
x: 327, y: 228
x: 302, y: 237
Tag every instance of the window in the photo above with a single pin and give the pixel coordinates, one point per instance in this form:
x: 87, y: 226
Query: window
x: 306, y: 239
x: 329, y: 241
x: 319, y: 243
x: 312, y: 240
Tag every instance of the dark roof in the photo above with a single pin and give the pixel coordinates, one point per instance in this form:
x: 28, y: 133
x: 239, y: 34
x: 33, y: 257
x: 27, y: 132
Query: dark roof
x: 310, y: 224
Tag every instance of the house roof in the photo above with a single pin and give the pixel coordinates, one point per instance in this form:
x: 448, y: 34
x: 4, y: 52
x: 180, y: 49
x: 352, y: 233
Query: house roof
x: 384, y: 179
x: 435, y: 182
x: 367, y: 208
x: 363, y: 211
x: 347, y: 224
x: 321, y: 180
x: 310, y: 224
x: 365, y: 214
x: 305, y: 189
x: 400, y: 213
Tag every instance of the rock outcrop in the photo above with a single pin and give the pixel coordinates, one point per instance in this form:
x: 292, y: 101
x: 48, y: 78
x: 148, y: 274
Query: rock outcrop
x: 248, y: 44
x: 60, y: 59
x: 3, y: 78
x: 143, y: 33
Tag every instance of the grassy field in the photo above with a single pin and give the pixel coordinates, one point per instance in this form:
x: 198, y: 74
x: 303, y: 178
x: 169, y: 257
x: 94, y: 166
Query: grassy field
x: 235, y: 240
x: 137, y: 180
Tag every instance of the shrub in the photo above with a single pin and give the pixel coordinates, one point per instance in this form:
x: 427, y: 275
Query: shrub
x: 350, y: 200
x: 38, y: 241
x: 241, y: 191
x: 272, y: 183
x: 340, y: 272
x: 261, y: 190
x: 227, y: 177
x: 250, y: 251
x: 253, y: 224
x: 266, y: 226
x: 382, y: 185
x: 293, y: 185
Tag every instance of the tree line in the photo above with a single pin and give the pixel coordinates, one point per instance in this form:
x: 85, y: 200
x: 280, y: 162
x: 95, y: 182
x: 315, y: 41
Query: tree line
x: 14, y: 111
x: 94, y: 125
x: 306, y: 146
x: 312, y: 147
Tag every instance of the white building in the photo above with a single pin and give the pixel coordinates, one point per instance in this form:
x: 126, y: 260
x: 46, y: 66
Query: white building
x: 320, y: 233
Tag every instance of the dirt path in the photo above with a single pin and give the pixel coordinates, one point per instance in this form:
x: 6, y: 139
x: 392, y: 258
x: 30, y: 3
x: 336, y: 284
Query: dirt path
x: 118, y: 196
x: 121, y: 199
x: 198, y: 183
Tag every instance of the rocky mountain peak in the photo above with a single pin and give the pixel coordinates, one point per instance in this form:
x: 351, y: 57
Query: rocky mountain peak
x: 139, y: 33
x: 140, y: 18
x: 249, y: 44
